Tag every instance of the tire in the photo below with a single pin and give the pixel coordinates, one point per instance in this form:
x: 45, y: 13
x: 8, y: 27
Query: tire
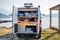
x: 16, y: 28
x: 39, y: 36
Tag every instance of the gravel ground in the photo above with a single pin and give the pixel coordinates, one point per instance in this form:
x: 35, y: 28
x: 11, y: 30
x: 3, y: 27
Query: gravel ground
x: 12, y: 37
x: 6, y: 34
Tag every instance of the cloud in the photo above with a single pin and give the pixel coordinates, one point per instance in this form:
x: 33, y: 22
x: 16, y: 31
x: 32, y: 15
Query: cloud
x: 45, y: 4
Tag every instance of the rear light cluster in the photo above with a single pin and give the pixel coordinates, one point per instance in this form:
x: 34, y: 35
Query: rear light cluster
x: 40, y: 23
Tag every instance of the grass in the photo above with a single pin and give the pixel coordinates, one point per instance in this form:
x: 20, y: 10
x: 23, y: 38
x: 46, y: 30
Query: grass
x: 47, y: 34
x: 4, y: 31
x: 55, y: 37
x: 50, y: 34
x: 44, y: 35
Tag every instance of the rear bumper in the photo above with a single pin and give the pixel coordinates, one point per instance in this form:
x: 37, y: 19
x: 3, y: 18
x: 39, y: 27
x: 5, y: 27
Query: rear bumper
x: 26, y: 33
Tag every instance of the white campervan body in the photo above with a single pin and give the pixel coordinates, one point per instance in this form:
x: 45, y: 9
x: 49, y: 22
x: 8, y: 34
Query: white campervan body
x: 26, y: 21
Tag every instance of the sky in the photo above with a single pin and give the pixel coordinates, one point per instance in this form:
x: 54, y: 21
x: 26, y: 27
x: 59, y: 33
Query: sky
x: 44, y: 4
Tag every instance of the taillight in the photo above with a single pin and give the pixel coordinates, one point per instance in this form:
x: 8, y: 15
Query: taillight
x: 40, y: 23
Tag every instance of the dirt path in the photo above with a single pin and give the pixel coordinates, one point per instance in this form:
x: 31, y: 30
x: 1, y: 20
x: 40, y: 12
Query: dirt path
x: 13, y: 37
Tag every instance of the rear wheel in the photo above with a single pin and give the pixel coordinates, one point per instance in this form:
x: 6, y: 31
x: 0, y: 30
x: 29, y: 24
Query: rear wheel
x: 16, y: 28
x: 39, y: 36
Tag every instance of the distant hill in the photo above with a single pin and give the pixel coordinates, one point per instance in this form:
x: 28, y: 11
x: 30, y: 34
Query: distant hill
x: 53, y: 15
x: 4, y: 13
x: 3, y: 16
x: 10, y: 15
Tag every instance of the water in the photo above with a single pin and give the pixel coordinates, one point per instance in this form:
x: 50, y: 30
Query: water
x: 45, y: 23
x: 7, y: 24
x: 55, y: 22
x: 5, y: 19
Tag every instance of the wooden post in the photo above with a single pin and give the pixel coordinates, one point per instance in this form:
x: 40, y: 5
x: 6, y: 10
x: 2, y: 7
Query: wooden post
x: 50, y: 18
x: 59, y: 17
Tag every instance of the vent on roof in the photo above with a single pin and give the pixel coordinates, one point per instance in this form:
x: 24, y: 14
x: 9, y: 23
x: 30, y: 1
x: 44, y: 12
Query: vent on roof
x: 28, y: 5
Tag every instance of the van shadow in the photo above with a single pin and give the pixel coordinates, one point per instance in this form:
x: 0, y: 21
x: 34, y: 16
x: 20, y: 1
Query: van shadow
x: 10, y: 36
x: 51, y: 34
